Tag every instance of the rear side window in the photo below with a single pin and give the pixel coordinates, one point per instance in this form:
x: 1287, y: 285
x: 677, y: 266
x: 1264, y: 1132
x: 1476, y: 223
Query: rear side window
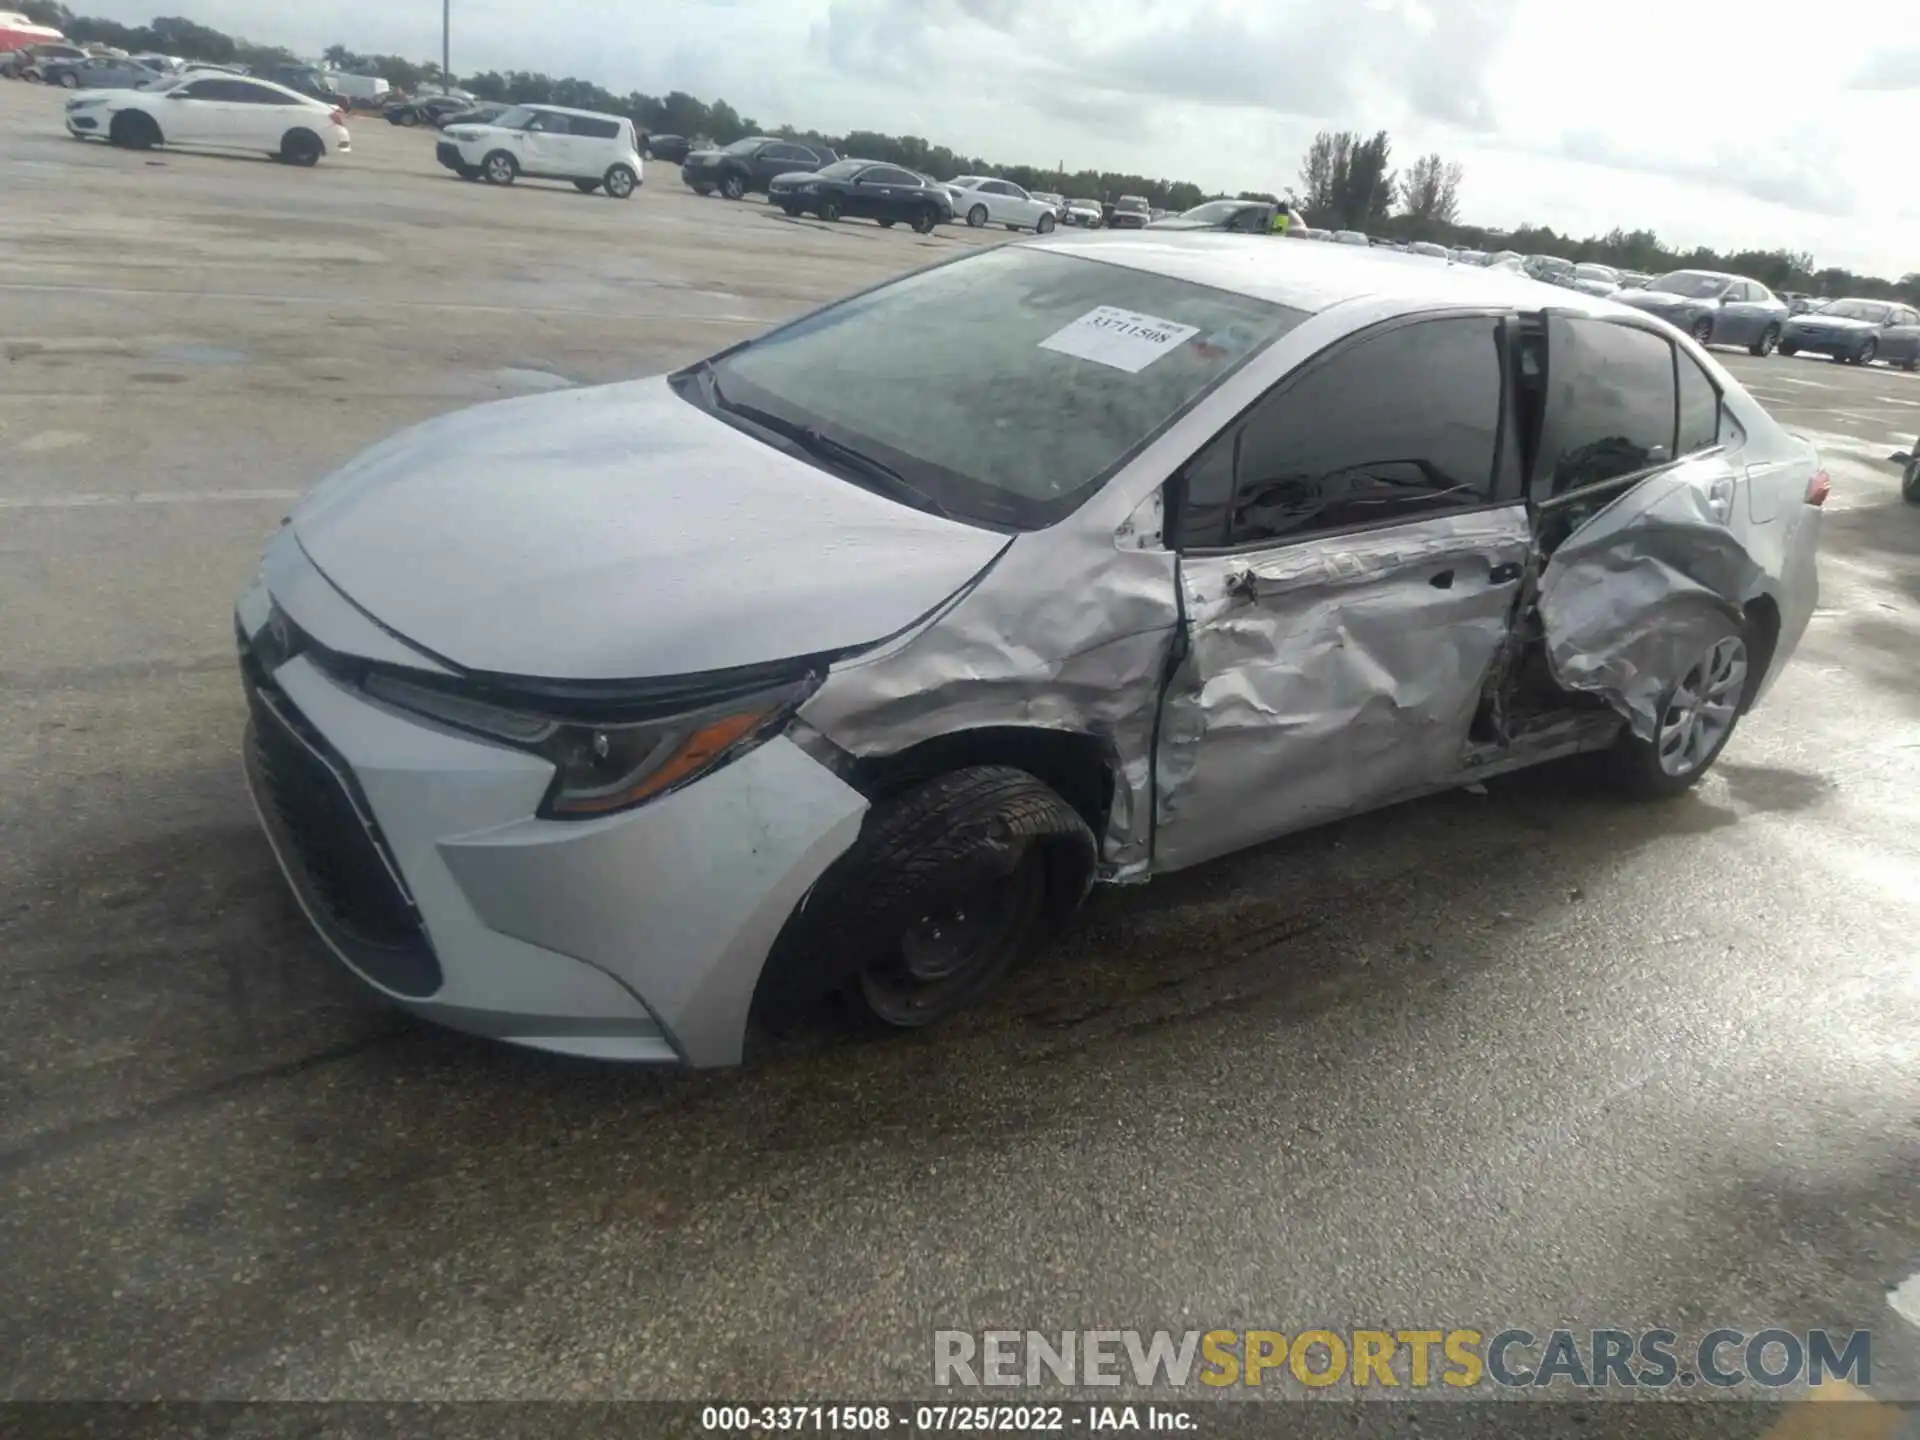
x: 597, y: 129
x: 1699, y: 407
x: 1611, y: 404
x: 548, y: 124
x: 1397, y: 426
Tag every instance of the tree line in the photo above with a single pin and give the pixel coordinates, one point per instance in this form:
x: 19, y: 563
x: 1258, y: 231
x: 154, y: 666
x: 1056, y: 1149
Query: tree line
x: 1347, y: 180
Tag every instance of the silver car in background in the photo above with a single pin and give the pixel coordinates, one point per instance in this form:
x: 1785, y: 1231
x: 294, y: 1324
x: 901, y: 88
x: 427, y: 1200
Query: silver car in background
x: 1714, y: 308
x: 843, y: 663
x: 1858, y: 332
x: 1591, y: 279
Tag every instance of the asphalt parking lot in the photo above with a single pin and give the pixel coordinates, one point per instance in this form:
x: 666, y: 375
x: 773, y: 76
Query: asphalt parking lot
x: 1530, y: 1057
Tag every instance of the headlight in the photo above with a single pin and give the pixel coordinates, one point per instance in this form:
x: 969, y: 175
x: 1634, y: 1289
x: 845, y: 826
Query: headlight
x: 603, y: 768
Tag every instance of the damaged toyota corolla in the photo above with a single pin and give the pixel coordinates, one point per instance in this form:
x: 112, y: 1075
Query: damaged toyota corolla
x: 844, y: 663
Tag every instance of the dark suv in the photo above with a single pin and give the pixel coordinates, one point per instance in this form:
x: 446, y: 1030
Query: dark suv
x: 750, y: 164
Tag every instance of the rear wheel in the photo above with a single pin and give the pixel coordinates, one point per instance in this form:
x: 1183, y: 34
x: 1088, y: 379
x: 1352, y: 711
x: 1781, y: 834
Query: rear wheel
x: 620, y: 181
x: 302, y: 148
x: 1696, y: 719
x: 501, y: 168
x: 135, y: 130
x: 408, y: 118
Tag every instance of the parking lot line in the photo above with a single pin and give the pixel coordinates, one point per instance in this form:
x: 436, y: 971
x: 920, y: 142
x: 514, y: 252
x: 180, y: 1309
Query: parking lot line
x: 141, y: 497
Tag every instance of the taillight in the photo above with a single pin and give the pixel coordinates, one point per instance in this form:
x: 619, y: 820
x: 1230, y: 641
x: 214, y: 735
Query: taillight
x: 1819, y: 488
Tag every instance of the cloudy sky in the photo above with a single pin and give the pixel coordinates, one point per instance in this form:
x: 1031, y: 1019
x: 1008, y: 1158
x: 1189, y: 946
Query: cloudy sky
x: 1711, y: 121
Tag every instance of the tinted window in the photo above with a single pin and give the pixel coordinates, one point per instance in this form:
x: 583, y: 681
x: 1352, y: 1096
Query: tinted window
x: 1401, y: 424
x: 548, y: 124
x: 1611, y: 404
x: 792, y: 152
x: 241, y: 93
x: 598, y: 129
x: 887, y: 175
x: 1699, y: 408
x: 201, y: 90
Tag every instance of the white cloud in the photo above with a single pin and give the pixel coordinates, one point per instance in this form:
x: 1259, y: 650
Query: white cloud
x: 1691, y: 119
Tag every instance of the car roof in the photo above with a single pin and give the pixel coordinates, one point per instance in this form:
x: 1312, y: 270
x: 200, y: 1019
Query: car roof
x: 562, y: 110
x: 1319, y: 277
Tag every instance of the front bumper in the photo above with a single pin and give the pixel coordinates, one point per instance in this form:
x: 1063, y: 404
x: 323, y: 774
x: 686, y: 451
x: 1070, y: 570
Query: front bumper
x: 1821, y: 344
x: 448, y: 154
x: 415, y: 853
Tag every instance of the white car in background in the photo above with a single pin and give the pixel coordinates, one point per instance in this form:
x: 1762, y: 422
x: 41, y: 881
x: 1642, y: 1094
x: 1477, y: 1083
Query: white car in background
x: 215, y: 110
x: 981, y: 200
x: 548, y: 142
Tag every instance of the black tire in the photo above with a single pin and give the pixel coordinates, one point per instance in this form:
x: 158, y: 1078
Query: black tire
x: 1702, y: 330
x: 135, y: 130
x: 703, y: 189
x: 409, y: 118
x: 925, y: 219
x: 1789, y: 349
x: 829, y: 208
x: 733, y: 186
x: 1869, y: 348
x: 991, y: 840
x: 1633, y: 764
x: 1046, y: 224
x: 586, y: 187
x: 885, y: 224
x: 1910, y: 364
x: 1764, y: 346
x: 620, y: 182
x: 69, y: 80
x: 302, y: 148
x: 500, y: 168
x: 977, y: 216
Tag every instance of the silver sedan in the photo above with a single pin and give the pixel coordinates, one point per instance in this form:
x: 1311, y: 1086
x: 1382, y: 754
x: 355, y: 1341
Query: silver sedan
x: 845, y: 662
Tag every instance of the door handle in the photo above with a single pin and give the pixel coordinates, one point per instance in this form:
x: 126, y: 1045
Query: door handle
x: 1503, y: 574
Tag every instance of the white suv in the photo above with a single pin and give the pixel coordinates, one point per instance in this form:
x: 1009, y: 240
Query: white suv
x: 547, y: 142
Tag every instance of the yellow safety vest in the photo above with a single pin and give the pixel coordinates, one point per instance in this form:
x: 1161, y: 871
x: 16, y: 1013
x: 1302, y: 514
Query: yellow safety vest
x: 1281, y: 220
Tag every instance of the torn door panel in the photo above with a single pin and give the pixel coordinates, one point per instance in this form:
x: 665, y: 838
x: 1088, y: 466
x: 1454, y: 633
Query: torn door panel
x: 1015, y: 651
x: 1636, y: 595
x: 1329, y: 675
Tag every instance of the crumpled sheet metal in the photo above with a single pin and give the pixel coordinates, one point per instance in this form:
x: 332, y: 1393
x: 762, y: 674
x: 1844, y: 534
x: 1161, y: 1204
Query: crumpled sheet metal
x: 1345, y: 676
x: 1639, y: 593
x: 1065, y: 632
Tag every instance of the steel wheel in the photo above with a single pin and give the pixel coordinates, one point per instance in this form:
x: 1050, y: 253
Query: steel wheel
x: 1700, y: 713
x: 977, y: 216
x: 947, y: 951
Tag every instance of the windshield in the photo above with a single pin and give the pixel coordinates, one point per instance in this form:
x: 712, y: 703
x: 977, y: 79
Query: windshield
x: 1214, y: 211
x: 1131, y: 202
x: 1595, y: 272
x: 518, y: 118
x: 1857, y: 310
x: 1694, y: 284
x: 846, y: 169
x: 740, y: 147
x: 1007, y: 386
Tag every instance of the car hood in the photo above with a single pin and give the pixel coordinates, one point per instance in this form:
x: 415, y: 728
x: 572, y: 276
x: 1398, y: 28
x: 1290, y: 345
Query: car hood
x: 622, y: 533
x: 1813, y: 318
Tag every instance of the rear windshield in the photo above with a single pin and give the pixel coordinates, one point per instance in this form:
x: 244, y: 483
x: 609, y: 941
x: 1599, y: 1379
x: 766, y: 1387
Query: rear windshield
x: 1006, y: 386
x: 1857, y: 310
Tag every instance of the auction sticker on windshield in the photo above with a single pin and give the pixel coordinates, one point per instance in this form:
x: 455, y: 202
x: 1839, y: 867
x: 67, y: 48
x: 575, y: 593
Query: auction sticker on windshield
x: 1124, y: 339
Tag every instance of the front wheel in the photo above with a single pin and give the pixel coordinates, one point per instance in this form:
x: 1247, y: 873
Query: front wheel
x: 1702, y: 330
x: 134, y: 130
x: 950, y: 884
x: 1046, y: 224
x: 620, y: 182
x: 1696, y: 719
x: 501, y: 168
x: 829, y: 209
x: 1865, y: 354
x: 733, y: 187
x: 977, y: 216
x: 1764, y: 346
x: 924, y: 220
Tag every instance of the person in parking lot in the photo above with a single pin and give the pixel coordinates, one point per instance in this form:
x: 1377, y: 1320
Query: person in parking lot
x: 1282, y: 218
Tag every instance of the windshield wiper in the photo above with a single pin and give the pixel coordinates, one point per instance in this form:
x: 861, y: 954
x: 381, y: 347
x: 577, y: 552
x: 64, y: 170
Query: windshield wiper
x: 877, y: 474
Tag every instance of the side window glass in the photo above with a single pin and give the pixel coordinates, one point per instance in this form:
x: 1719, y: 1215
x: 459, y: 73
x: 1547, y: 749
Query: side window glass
x: 1699, y: 408
x: 1208, y: 497
x: 1611, y: 404
x: 596, y: 129
x: 1399, y: 425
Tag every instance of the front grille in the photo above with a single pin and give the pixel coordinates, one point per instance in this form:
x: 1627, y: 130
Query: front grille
x: 328, y: 831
